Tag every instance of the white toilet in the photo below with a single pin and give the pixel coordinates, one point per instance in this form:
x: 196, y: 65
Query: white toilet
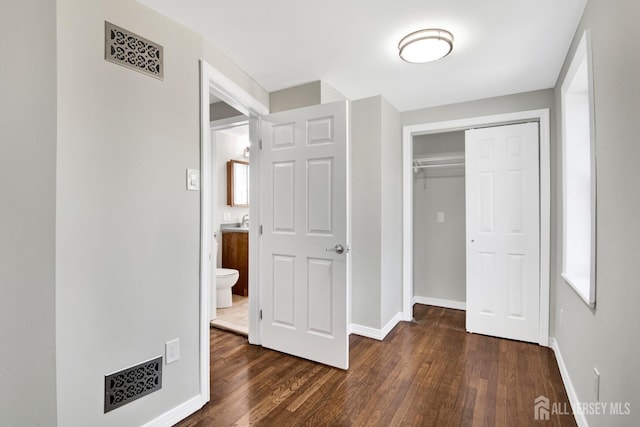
x: 225, y: 279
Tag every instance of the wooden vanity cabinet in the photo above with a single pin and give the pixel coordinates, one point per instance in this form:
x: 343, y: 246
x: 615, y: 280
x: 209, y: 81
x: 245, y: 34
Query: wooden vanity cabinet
x: 235, y: 254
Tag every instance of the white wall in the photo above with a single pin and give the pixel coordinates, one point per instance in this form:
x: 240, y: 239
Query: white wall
x: 228, y: 147
x: 366, y: 202
x: 439, y: 248
x: 376, y: 173
x: 605, y: 337
x: 128, y: 231
x: 391, y: 212
x: 483, y: 107
x: 27, y: 212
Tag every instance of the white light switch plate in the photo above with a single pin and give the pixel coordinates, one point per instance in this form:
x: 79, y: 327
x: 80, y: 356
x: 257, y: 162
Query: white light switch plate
x: 440, y: 216
x: 193, y: 179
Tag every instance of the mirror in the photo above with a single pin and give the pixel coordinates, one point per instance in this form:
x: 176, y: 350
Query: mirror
x: 238, y: 183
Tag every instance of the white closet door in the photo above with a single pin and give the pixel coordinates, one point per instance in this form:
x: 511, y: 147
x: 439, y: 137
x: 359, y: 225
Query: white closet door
x: 503, y: 231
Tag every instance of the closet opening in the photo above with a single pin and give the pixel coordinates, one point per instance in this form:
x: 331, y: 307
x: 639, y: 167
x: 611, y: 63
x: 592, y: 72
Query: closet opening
x: 439, y: 242
x: 476, y: 221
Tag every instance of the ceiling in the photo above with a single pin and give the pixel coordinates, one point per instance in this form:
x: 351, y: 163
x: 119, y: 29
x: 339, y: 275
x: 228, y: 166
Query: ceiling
x: 501, y: 46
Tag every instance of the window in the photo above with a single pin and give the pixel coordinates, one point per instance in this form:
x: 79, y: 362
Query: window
x: 578, y: 174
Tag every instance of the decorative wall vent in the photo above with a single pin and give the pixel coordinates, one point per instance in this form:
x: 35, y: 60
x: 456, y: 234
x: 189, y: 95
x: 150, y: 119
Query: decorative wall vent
x: 132, y: 51
x: 132, y: 383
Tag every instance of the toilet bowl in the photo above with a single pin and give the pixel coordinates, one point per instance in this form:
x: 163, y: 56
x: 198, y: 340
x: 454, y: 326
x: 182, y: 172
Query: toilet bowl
x: 225, y: 279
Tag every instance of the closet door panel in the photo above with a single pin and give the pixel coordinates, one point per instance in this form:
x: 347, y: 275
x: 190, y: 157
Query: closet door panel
x: 503, y: 221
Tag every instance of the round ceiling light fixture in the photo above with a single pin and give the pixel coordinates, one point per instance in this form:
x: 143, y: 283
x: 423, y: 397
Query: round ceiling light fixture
x: 425, y: 45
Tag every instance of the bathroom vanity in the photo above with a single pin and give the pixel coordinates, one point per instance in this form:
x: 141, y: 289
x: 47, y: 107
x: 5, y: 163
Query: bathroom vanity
x: 235, y: 255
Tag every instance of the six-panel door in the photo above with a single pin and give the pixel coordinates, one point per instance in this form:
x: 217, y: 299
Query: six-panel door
x: 303, y: 190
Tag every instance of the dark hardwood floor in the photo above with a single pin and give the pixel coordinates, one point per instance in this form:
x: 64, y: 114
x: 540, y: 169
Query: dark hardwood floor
x: 429, y: 372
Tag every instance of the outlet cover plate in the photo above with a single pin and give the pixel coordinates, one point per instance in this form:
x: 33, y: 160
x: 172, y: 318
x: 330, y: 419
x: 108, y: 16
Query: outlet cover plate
x: 172, y: 351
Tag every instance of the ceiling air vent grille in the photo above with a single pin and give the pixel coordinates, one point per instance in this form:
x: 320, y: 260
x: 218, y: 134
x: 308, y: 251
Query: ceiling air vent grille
x: 132, y: 383
x: 132, y: 51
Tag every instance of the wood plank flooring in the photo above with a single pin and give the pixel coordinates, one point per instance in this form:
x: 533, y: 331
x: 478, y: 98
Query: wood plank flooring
x: 429, y: 372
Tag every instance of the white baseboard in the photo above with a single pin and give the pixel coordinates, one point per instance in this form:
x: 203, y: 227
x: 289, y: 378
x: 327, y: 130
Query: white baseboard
x: 568, y: 385
x: 376, y: 334
x: 178, y: 413
x: 457, y: 305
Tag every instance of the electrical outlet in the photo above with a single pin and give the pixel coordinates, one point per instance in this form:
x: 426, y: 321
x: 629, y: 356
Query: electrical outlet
x: 596, y: 384
x: 440, y: 216
x: 172, y: 351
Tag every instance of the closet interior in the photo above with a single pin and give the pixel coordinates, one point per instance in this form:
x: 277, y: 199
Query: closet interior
x: 439, y: 219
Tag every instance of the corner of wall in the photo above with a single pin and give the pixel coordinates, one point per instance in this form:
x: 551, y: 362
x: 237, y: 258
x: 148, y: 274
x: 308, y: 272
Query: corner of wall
x: 329, y: 94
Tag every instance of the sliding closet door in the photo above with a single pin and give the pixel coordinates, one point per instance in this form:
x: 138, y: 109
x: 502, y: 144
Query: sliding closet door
x: 503, y: 231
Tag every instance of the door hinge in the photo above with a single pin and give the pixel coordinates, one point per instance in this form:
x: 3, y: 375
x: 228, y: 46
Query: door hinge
x: 260, y: 314
x: 260, y: 143
x: 261, y: 229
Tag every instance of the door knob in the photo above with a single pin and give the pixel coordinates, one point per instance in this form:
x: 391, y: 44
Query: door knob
x: 339, y: 249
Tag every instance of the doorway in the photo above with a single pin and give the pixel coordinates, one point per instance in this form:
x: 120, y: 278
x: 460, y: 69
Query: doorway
x: 409, y: 132
x: 229, y: 307
x: 318, y: 134
x: 213, y: 83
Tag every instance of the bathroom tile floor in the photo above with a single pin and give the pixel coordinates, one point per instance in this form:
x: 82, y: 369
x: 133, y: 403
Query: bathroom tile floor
x: 234, y: 318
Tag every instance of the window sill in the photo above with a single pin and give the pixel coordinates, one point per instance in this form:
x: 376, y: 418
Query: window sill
x: 582, y: 286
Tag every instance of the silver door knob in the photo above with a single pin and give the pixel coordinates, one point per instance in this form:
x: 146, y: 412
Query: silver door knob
x: 339, y: 249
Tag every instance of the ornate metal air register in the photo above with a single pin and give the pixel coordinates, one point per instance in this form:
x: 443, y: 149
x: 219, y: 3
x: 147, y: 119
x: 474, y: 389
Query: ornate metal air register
x: 133, y: 51
x: 132, y: 383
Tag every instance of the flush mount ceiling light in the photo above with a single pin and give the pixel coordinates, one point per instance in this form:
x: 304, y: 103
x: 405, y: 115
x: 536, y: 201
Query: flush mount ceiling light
x: 425, y: 45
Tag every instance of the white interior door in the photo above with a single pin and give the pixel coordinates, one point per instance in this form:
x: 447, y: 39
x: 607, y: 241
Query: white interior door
x: 503, y: 231
x: 303, y: 272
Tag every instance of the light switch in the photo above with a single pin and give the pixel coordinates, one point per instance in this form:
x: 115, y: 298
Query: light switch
x: 227, y: 216
x: 440, y: 216
x: 193, y: 179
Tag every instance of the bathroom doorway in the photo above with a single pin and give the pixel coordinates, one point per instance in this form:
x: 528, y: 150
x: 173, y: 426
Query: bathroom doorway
x: 230, y: 160
x: 214, y: 86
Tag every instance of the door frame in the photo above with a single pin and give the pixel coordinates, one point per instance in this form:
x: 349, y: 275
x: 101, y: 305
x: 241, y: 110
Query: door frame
x: 214, y: 81
x: 409, y: 131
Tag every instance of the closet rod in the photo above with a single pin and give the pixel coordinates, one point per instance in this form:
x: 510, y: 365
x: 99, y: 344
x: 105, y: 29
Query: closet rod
x: 440, y: 165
